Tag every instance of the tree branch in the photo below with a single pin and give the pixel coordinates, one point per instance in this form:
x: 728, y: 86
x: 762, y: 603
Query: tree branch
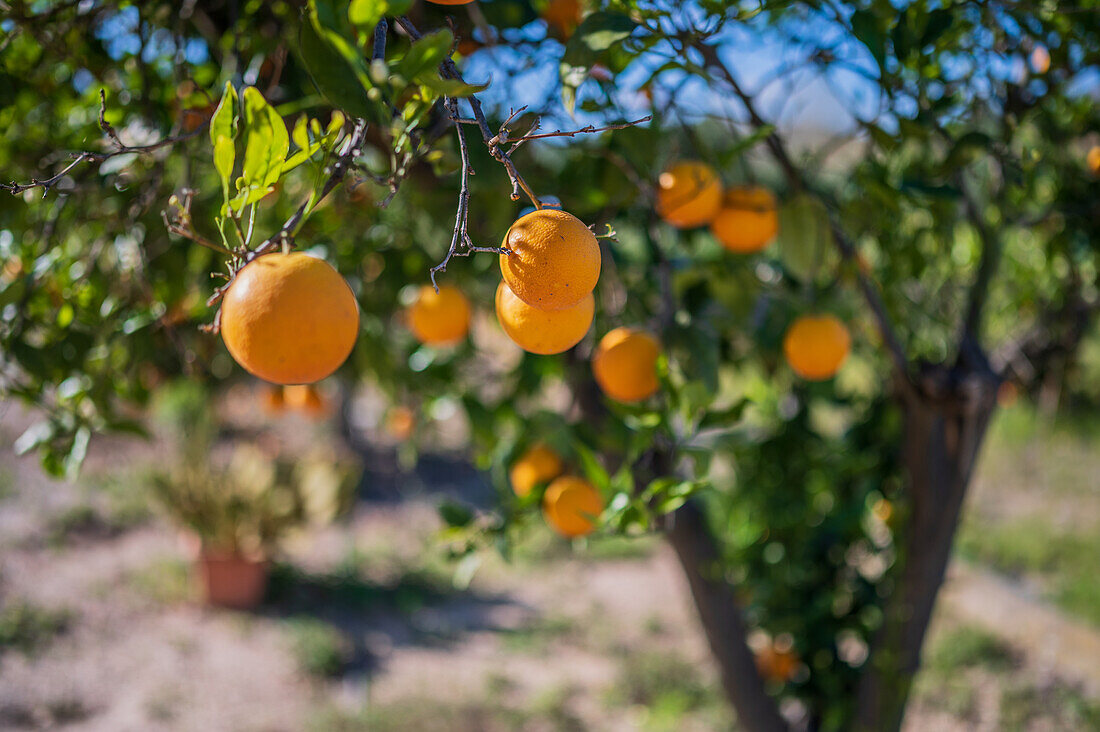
x: 98, y: 157
x: 798, y: 181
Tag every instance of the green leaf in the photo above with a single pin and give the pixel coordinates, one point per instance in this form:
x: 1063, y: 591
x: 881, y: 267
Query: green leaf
x: 590, y: 43
x: 866, y: 28
x: 805, y: 240
x: 591, y: 467
x: 454, y: 514
x: 266, y: 141
x: 450, y: 87
x: 224, y: 155
x: 223, y: 130
x: 365, y: 14
x: 939, y: 22
x: 425, y: 54
x: 599, y: 32
x: 336, y: 78
x: 224, y: 121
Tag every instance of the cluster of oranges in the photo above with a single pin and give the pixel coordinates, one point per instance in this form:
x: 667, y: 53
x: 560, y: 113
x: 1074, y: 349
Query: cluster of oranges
x: 544, y: 303
x: 291, y: 319
x: 570, y: 504
x: 745, y: 219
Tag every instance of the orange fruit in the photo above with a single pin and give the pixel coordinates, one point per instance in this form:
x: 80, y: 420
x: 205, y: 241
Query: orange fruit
x: 776, y: 665
x: 440, y: 318
x: 688, y: 194
x: 450, y: 2
x: 538, y: 464
x: 555, y: 259
x: 306, y: 399
x: 563, y: 16
x: 1040, y: 60
x: 1092, y: 159
x: 543, y: 331
x: 400, y: 423
x: 289, y: 318
x: 747, y: 220
x: 816, y: 346
x: 625, y: 365
x: 272, y: 400
x: 571, y: 506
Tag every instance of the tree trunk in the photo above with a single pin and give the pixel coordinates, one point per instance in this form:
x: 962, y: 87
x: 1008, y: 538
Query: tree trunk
x: 945, y: 421
x: 722, y: 622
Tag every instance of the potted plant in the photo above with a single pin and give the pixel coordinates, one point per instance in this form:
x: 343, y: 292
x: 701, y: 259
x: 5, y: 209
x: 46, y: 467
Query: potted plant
x: 240, y: 509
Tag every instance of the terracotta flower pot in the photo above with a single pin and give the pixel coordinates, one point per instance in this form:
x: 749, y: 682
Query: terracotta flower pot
x: 231, y: 580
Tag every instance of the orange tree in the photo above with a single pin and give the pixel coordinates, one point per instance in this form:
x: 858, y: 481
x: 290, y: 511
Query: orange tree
x: 947, y: 240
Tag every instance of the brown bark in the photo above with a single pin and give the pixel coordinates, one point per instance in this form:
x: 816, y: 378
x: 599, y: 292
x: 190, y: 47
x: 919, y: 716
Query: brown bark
x: 945, y: 422
x: 721, y: 618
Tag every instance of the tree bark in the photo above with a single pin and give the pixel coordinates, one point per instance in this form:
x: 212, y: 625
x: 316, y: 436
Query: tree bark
x: 944, y: 424
x: 722, y: 621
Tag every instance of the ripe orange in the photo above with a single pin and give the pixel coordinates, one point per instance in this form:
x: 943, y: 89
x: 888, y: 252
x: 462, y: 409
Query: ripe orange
x: 306, y: 399
x: 748, y: 219
x: 538, y: 464
x: 1040, y: 60
x: 450, y: 2
x: 289, y: 318
x: 400, y: 423
x: 625, y: 365
x: 816, y: 346
x: 688, y: 194
x: 563, y: 16
x: 1092, y: 159
x: 776, y: 665
x: 543, y: 331
x: 440, y: 318
x: 571, y: 506
x: 272, y: 400
x: 555, y: 259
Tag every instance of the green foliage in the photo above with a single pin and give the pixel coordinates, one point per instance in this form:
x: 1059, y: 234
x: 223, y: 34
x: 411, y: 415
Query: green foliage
x: 28, y: 628
x: 319, y: 648
x: 1063, y: 561
x: 253, y: 501
x: 962, y: 144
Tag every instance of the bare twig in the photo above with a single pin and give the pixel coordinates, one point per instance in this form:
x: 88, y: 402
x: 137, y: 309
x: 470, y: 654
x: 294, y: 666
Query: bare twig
x: 98, y: 157
x: 590, y: 129
x: 448, y: 70
x: 461, y: 245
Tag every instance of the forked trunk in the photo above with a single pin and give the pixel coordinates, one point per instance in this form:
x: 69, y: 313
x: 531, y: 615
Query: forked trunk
x: 945, y: 423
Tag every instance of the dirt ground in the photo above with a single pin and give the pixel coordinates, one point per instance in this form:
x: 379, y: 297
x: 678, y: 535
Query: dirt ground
x: 365, y: 630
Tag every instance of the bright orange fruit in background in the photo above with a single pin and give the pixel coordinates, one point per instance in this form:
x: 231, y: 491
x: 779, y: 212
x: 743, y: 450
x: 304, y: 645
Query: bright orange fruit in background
x: 451, y: 2
x: 747, y: 220
x: 563, y: 15
x: 1092, y: 159
x: 439, y: 318
x: 571, y: 506
x: 555, y: 259
x: 777, y: 665
x: 543, y: 331
x: 688, y: 194
x: 625, y: 365
x: 816, y: 345
x: 306, y: 399
x: 538, y: 464
x: 289, y: 318
x: 400, y: 423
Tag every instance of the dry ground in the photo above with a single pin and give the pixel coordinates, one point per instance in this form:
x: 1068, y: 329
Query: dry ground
x: 367, y: 631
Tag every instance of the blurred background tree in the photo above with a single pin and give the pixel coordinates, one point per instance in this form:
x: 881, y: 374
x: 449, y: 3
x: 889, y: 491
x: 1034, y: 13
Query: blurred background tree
x: 932, y: 163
